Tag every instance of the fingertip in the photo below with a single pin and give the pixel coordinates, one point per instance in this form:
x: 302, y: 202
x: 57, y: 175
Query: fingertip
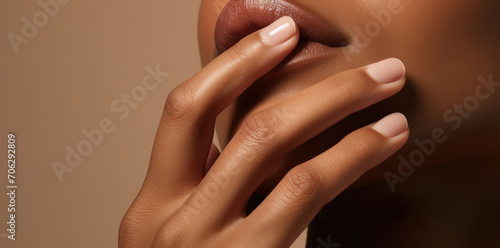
x: 392, y: 125
x: 279, y: 31
x: 387, y: 71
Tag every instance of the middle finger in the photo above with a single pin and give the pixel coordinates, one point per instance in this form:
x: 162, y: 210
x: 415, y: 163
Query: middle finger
x: 266, y: 136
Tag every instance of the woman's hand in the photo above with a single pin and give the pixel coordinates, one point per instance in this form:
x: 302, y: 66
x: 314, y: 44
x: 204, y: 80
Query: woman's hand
x: 179, y: 205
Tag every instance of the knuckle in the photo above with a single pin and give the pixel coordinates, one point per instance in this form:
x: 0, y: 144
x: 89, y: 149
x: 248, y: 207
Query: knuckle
x: 359, y: 145
x: 129, y: 228
x: 259, y: 129
x: 180, y: 103
x: 244, y: 51
x: 238, y: 53
x: 132, y: 226
x: 245, y: 48
x: 345, y: 87
x: 302, y: 183
x: 171, y: 234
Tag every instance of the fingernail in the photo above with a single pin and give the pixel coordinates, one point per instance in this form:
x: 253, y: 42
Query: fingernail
x: 392, y: 125
x: 279, y: 31
x: 387, y: 71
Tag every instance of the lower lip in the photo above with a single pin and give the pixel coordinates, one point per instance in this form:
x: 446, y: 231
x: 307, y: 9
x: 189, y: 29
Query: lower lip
x: 308, y: 52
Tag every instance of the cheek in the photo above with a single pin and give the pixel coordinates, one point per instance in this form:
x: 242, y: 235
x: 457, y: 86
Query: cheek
x: 445, y: 47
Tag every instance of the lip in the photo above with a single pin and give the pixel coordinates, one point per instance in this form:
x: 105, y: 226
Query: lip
x: 240, y: 18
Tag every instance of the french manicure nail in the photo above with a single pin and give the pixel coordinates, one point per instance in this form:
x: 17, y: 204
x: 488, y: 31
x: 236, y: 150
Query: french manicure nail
x: 279, y: 31
x: 392, y: 125
x: 387, y: 71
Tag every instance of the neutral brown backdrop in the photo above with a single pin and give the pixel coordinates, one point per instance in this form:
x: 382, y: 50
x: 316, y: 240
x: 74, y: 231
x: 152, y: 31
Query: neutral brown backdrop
x: 70, y: 63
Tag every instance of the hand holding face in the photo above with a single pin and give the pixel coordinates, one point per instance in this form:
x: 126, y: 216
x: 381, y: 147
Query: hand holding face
x: 181, y: 205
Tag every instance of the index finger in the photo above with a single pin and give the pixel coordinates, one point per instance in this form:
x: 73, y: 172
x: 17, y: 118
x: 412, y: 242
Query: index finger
x: 185, y: 132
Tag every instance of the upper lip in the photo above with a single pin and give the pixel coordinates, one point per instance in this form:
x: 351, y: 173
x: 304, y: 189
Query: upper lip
x: 240, y: 18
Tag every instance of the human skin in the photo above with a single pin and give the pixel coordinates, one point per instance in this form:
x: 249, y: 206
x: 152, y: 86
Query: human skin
x: 193, y: 196
x: 445, y: 46
x: 451, y: 199
x: 263, y: 132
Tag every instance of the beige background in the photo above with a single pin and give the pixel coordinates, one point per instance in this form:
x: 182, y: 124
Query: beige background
x: 63, y: 81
